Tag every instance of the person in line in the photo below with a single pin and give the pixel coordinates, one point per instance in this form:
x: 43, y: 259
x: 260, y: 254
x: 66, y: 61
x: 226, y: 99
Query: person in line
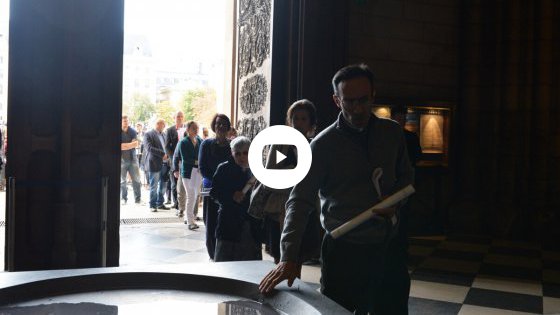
x: 188, y: 173
x: 302, y: 116
x: 232, y: 133
x: 155, y: 163
x: 364, y: 270
x: 213, y: 151
x: 3, y: 140
x: 129, y: 161
x: 139, y: 151
x: 176, y: 191
x: 205, y: 133
x: 237, y: 233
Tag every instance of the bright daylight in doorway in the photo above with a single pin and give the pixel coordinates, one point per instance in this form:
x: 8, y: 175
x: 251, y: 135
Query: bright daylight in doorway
x: 174, y: 53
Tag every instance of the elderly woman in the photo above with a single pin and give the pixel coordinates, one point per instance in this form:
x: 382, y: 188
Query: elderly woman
x: 213, y: 151
x: 237, y: 233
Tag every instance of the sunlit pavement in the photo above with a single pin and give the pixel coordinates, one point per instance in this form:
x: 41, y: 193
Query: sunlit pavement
x: 128, y: 210
x: 132, y: 210
x: 169, y: 242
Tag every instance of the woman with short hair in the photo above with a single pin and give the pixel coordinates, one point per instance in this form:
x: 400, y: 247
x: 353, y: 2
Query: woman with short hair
x: 213, y: 151
x: 237, y: 233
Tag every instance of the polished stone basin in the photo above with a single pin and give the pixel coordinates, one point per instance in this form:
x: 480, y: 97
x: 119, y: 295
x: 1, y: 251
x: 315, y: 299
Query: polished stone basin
x: 212, y: 288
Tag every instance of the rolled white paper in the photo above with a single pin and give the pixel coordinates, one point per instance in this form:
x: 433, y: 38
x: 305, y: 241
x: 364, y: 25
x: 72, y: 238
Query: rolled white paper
x: 369, y: 213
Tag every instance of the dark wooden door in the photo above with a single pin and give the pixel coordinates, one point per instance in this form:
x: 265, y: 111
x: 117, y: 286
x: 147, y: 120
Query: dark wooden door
x: 64, y: 108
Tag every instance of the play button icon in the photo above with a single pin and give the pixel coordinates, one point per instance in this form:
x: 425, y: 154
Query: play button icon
x: 279, y: 157
x: 292, y: 168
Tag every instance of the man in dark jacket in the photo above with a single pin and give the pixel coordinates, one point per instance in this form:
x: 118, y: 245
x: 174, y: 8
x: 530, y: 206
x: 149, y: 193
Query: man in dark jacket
x: 364, y: 270
x: 155, y: 163
x: 177, y: 192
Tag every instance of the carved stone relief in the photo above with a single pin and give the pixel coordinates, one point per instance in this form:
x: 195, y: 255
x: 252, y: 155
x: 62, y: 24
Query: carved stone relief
x: 253, y: 94
x: 254, y: 34
x: 249, y: 127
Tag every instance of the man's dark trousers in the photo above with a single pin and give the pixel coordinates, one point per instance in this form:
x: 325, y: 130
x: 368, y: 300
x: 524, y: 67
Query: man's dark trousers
x: 365, y: 277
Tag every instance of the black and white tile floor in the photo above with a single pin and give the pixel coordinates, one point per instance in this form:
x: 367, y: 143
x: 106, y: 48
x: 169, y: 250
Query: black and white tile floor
x: 473, y: 275
x: 454, y: 275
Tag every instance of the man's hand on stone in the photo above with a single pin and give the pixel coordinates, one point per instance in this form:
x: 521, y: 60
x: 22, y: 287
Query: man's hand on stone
x: 285, y: 270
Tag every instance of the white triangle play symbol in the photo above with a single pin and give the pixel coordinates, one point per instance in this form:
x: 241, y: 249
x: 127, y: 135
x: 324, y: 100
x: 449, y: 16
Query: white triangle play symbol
x: 279, y: 157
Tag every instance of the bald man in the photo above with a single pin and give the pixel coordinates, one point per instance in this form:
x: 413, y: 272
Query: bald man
x: 155, y: 164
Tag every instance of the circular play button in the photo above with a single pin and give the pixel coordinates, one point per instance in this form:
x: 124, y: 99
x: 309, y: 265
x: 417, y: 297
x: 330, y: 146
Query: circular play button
x: 294, y: 171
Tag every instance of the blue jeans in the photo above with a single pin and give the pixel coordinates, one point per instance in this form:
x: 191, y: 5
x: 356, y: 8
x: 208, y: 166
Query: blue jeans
x: 157, y: 187
x: 132, y: 168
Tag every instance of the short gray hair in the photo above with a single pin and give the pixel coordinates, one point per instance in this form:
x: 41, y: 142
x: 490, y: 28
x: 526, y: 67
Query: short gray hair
x: 239, y: 142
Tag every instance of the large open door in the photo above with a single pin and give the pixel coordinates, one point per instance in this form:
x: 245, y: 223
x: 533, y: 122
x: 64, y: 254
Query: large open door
x: 64, y: 103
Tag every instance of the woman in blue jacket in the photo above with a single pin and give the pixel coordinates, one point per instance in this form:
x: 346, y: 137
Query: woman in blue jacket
x: 213, y: 151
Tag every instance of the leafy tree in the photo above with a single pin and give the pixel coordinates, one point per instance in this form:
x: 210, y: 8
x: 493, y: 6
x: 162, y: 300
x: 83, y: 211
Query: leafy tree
x: 199, y: 104
x: 139, y: 108
x: 165, y: 110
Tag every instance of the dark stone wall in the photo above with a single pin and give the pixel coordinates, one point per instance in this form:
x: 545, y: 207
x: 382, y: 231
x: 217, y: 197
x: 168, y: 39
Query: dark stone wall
x: 496, y: 61
x: 411, y: 45
x: 322, y: 51
x: 507, y: 165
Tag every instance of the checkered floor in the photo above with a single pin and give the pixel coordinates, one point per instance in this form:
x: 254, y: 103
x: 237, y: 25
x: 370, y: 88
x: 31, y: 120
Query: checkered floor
x: 454, y: 275
x: 473, y: 275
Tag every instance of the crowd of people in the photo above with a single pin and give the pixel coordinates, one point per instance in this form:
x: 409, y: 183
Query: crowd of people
x: 178, y: 164
x: 365, y: 270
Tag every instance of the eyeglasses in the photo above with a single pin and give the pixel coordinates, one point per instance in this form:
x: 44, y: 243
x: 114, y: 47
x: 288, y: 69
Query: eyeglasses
x: 241, y: 153
x: 366, y: 100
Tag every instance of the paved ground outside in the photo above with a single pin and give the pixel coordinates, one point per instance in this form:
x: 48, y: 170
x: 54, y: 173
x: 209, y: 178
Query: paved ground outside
x: 131, y: 233
x: 128, y: 210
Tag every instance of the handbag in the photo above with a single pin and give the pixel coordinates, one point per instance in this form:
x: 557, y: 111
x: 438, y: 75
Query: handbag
x: 259, y: 198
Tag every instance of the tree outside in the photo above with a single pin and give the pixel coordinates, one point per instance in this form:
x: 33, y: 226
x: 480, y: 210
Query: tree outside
x: 166, y: 111
x: 199, y: 105
x: 139, y: 108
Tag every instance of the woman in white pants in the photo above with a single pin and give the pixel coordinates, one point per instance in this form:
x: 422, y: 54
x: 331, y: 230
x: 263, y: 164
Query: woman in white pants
x: 187, y: 154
